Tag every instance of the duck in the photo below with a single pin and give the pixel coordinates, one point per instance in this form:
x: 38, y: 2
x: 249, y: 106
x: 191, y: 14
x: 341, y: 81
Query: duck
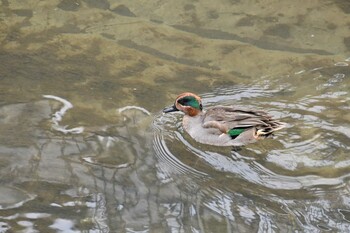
x: 223, y: 125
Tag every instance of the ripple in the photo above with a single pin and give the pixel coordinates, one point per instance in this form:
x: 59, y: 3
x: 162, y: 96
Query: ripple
x: 227, y: 95
x: 300, y: 149
x: 168, y: 164
x: 301, y: 173
x: 12, y: 197
x: 341, y: 64
x: 172, y: 164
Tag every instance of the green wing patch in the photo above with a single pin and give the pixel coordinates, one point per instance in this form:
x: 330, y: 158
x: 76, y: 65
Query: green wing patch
x: 235, y: 132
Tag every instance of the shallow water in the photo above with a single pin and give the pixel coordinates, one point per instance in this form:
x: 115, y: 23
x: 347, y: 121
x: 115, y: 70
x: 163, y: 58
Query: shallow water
x: 84, y: 146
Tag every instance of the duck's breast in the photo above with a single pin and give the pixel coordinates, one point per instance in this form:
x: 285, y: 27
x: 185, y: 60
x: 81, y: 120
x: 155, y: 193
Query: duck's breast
x: 213, y: 136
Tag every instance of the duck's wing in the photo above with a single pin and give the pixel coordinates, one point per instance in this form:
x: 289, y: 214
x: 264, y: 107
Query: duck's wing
x: 234, y: 121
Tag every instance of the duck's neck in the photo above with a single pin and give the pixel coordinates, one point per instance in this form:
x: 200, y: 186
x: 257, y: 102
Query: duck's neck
x: 193, y: 112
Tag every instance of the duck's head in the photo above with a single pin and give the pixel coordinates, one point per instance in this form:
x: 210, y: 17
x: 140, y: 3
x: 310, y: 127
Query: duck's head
x: 188, y: 103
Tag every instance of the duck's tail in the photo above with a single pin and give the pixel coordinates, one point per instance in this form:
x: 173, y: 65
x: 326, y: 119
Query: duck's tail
x: 267, y: 130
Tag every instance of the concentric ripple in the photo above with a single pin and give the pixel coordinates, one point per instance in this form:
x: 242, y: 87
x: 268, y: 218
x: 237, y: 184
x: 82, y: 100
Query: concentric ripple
x: 303, y: 169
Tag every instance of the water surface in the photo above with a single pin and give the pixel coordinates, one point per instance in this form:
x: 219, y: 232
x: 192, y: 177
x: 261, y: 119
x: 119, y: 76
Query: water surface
x: 84, y: 146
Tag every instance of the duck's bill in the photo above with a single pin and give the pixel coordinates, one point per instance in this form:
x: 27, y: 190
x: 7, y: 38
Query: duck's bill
x: 170, y: 109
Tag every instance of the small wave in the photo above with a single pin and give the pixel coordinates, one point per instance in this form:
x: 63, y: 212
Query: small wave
x: 57, y: 116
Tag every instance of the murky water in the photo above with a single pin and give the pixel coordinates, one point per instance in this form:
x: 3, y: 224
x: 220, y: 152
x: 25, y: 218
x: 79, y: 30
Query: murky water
x: 84, y: 146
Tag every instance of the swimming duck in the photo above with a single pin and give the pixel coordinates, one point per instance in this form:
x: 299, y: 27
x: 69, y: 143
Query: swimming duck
x: 223, y: 125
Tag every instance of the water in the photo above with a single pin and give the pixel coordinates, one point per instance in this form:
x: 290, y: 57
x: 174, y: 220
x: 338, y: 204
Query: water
x: 112, y: 162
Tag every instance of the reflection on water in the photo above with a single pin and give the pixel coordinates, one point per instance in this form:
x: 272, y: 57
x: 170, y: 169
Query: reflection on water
x: 85, y: 148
